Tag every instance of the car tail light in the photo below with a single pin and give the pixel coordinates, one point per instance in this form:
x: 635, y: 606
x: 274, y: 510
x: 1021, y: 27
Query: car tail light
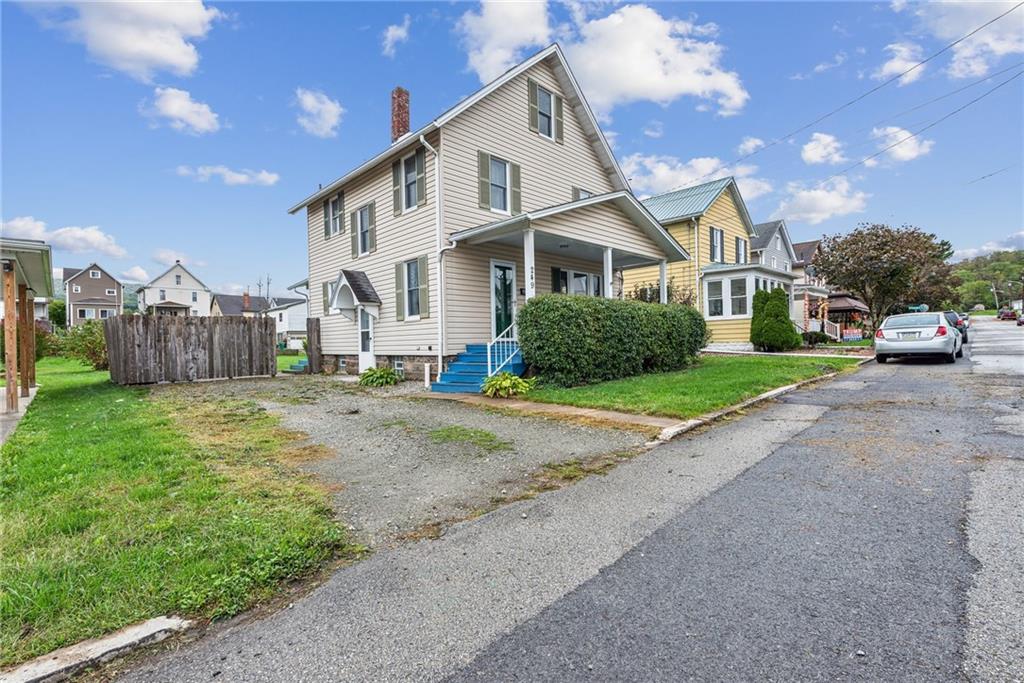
x: 879, y: 334
x: 941, y: 332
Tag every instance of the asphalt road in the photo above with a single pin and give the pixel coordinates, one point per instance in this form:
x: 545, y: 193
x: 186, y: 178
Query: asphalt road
x: 857, y: 530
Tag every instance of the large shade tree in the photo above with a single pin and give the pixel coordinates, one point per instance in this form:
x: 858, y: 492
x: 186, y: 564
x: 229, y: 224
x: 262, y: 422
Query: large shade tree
x: 888, y: 268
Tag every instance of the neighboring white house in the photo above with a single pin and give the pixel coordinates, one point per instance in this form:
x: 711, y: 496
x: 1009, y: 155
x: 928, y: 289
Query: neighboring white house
x: 176, y: 291
x: 290, y: 316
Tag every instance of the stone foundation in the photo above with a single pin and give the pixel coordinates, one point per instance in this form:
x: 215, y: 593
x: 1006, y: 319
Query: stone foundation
x: 412, y: 366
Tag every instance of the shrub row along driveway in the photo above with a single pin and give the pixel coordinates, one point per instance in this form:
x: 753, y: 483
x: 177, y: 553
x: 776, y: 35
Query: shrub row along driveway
x: 401, y: 465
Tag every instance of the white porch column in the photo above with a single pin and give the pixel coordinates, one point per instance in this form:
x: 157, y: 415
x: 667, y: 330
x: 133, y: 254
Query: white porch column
x: 607, y: 275
x: 663, y: 281
x: 528, y: 261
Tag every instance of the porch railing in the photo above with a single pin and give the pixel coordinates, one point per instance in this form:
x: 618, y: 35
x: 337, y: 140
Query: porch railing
x: 832, y: 329
x: 501, y: 350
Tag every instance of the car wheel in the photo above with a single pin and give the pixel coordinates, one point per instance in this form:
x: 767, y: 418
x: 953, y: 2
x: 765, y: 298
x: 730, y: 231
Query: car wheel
x: 881, y: 358
x: 960, y: 352
x: 951, y: 358
x: 966, y: 340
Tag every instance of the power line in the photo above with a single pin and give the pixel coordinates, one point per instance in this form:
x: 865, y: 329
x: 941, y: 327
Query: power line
x: 941, y: 97
x: 918, y: 132
x: 989, y: 175
x: 849, y: 103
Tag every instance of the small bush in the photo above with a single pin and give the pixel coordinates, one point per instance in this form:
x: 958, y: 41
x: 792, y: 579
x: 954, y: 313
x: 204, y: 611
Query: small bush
x: 777, y: 330
x: 572, y: 340
x: 45, y: 341
x: 378, y: 377
x: 507, y: 385
x: 815, y: 338
x: 86, y: 343
x: 757, y: 318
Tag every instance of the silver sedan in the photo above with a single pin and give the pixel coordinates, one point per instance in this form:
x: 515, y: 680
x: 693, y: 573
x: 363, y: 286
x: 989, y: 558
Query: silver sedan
x: 913, y: 334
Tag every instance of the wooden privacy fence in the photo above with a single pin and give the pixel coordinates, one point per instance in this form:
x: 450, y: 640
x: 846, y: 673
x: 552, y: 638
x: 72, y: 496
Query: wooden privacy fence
x: 146, y: 349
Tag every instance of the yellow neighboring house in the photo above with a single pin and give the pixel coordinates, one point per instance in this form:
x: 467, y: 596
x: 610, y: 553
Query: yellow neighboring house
x: 711, y: 222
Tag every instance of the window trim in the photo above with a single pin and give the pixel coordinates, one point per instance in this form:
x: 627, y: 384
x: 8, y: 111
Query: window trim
x: 362, y: 229
x: 195, y: 297
x: 404, y: 185
x: 720, y: 234
x: 94, y: 275
x: 336, y: 221
x: 410, y: 317
x: 726, y: 296
x: 550, y: 115
x: 707, y: 298
x: 76, y: 289
x: 162, y: 294
x: 740, y: 242
x: 177, y: 278
x: 507, y: 211
x: 110, y: 292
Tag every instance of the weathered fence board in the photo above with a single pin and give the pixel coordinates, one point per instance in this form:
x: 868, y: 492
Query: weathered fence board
x: 147, y: 349
x: 313, y: 354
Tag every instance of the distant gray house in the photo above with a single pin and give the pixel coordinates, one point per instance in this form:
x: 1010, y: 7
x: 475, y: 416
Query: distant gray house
x: 772, y: 247
x: 91, y: 293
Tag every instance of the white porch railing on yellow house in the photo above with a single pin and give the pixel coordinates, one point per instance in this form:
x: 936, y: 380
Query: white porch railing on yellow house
x: 501, y: 350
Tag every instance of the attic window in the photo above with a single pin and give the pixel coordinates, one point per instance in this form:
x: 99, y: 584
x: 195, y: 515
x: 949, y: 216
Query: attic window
x: 94, y: 274
x: 177, y: 279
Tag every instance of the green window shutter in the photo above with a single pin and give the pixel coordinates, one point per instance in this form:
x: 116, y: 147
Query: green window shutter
x: 423, y: 265
x: 327, y: 219
x: 711, y: 244
x: 396, y: 186
x: 399, y: 291
x: 559, y: 137
x: 531, y: 86
x: 421, y: 176
x: 372, y: 237
x: 556, y: 277
x: 354, y: 224
x: 327, y: 296
x: 517, y: 198
x: 483, y: 172
x: 341, y: 211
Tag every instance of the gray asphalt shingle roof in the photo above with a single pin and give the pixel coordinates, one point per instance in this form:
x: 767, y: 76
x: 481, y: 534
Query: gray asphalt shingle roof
x: 765, y: 232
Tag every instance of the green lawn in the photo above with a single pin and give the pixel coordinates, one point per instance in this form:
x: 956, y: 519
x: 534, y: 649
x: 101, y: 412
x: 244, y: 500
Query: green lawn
x: 118, y: 507
x: 713, y: 382
x: 862, y: 342
x: 285, y: 362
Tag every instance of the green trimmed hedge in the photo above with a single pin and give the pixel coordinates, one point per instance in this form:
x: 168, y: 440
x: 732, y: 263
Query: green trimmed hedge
x: 572, y: 340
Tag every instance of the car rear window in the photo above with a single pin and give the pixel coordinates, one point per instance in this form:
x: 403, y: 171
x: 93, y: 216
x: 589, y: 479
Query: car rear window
x: 913, y: 320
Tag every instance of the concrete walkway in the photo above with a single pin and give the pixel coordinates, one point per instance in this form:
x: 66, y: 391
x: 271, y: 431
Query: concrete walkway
x: 8, y: 421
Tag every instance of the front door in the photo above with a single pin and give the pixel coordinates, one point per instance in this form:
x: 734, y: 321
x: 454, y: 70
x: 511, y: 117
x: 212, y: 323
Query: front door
x: 366, y: 358
x: 503, y: 295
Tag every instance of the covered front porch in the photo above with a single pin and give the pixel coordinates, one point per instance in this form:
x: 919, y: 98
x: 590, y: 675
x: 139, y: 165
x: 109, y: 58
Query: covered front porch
x: 727, y: 297
x: 27, y: 272
x: 810, y: 310
x: 579, y: 248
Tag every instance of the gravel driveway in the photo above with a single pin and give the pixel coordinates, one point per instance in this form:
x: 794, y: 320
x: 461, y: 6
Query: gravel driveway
x: 398, y: 464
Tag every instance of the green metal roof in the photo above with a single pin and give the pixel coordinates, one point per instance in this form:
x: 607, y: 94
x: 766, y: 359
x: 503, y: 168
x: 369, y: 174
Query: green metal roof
x: 687, y: 202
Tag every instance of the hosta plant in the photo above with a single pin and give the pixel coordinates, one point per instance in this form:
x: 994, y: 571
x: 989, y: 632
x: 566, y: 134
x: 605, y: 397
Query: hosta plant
x: 378, y: 377
x: 507, y: 385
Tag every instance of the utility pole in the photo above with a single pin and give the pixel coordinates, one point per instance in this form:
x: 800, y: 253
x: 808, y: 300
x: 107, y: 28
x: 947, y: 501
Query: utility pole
x: 268, y: 288
x: 259, y: 287
x: 996, y: 295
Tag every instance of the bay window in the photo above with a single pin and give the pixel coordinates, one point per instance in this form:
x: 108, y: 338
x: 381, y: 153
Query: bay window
x: 715, y: 307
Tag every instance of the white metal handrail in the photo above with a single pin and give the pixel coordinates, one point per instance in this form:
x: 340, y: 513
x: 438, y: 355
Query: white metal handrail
x: 501, y: 350
x: 832, y: 329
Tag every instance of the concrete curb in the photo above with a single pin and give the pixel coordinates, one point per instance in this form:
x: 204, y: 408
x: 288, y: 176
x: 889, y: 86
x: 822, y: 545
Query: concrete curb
x: 61, y: 664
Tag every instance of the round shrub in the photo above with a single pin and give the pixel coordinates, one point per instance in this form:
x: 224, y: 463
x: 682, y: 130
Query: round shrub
x: 777, y: 330
x: 572, y: 340
x: 761, y: 297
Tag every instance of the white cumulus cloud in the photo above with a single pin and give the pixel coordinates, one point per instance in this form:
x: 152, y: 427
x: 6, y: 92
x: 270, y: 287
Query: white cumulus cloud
x: 137, y: 38
x: 817, y: 204
x: 229, y: 176
x: 72, y: 238
x: 823, y: 148
x: 181, y: 112
x: 496, y: 35
x: 902, y: 56
x: 654, y: 174
x: 320, y: 115
x: 975, y: 56
x: 749, y: 145
x: 838, y: 60
x: 135, y: 274
x: 903, y: 151
x: 654, y: 129
x: 1011, y: 242
x: 168, y: 257
x: 395, y: 34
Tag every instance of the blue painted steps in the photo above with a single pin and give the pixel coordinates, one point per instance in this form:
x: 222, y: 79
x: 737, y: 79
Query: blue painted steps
x: 466, y: 374
x: 298, y: 368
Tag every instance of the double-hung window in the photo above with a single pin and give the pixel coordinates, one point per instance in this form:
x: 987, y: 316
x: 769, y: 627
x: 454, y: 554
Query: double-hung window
x: 579, y: 283
x: 177, y: 279
x: 412, y: 290
x: 738, y: 296
x: 717, y: 246
x: 409, y: 182
x: 715, y: 308
x: 741, y: 250
x: 363, y: 224
x: 104, y: 313
x: 775, y: 262
x: 499, y: 185
x: 545, y: 113
x: 81, y: 313
x: 336, y: 219
x: 163, y: 295
x: 195, y: 297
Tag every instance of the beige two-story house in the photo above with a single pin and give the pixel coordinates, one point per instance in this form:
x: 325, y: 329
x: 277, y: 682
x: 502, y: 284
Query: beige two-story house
x: 91, y: 293
x: 175, y: 292
x: 427, y: 250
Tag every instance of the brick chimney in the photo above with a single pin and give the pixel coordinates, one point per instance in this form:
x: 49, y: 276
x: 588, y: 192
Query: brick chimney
x: 399, y: 112
x: 246, y: 302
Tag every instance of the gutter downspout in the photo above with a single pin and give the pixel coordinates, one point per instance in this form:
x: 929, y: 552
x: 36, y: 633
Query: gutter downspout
x: 440, y: 248
x: 696, y: 270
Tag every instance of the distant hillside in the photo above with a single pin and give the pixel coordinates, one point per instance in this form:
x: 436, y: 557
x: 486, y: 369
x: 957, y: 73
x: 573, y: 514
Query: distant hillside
x: 1004, y: 270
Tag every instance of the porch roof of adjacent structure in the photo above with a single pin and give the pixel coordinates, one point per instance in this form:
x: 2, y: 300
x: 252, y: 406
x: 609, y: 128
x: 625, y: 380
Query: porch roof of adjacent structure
x: 510, y: 228
x: 724, y: 268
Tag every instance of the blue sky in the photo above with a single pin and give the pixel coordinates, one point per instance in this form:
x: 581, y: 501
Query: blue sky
x: 136, y: 134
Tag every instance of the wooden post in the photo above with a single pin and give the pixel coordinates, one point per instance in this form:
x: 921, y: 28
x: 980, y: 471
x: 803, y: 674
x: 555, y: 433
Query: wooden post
x: 313, y: 345
x: 32, y: 339
x: 24, y: 330
x: 10, y: 338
